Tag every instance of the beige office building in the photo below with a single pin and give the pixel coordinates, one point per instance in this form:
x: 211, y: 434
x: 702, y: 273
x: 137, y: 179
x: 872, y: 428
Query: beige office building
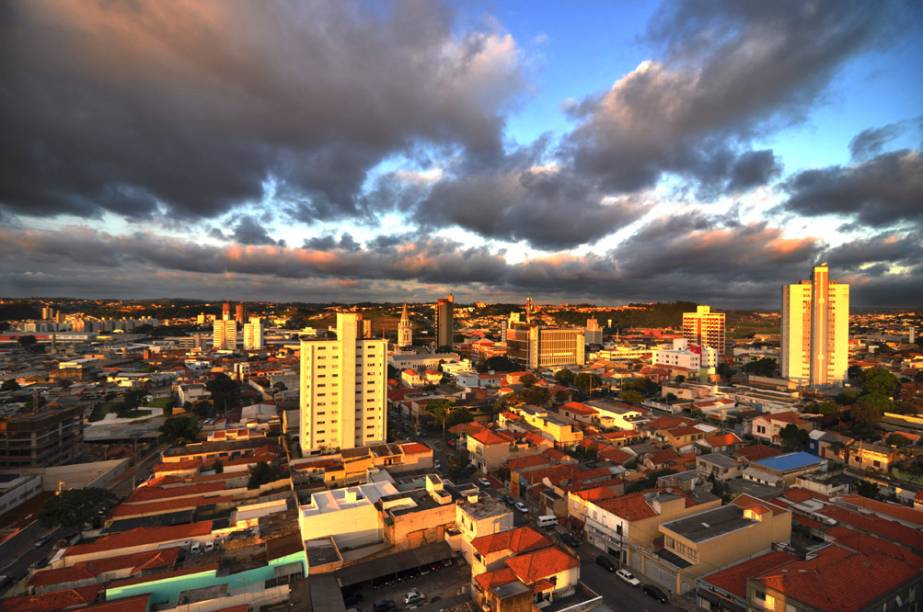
x: 343, y: 389
x: 705, y: 328
x: 225, y: 334
x: 535, y: 346
x: 815, y: 330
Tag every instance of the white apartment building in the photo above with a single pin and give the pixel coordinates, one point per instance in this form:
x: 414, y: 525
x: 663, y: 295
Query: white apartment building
x: 815, y: 330
x: 343, y: 389
x: 686, y: 355
x: 225, y: 337
x: 253, y: 334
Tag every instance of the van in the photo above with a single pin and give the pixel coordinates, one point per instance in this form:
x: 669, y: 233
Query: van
x: 546, y: 521
x: 196, y: 547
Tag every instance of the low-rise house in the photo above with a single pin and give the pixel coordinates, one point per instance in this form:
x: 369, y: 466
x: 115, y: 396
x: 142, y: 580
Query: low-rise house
x: 768, y: 427
x: 783, y: 470
x: 718, y: 465
x: 491, y: 551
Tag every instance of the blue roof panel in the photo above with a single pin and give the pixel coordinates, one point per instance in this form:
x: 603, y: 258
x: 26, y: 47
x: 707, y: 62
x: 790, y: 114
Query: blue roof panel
x: 789, y: 461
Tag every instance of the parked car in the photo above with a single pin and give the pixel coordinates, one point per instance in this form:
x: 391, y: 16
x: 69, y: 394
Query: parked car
x: 628, y: 577
x: 484, y: 483
x: 522, y: 507
x: 209, y: 546
x: 195, y: 548
x: 414, y: 596
x: 383, y: 605
x: 606, y: 563
x: 654, y: 593
x: 570, y: 540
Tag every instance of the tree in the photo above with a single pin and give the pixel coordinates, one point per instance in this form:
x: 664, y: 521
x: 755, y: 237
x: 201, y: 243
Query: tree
x: 180, y: 429
x: 76, y: 508
x: 898, y: 441
x: 879, y: 380
x: 587, y: 382
x: 219, y: 467
x: 264, y: 472
x: 440, y: 409
x: 918, y: 377
x: 847, y: 396
x: 853, y: 372
x: 680, y: 379
x: 10, y: 385
x: 564, y: 376
x: 27, y: 342
x: 499, y: 364
x: 794, y: 438
x: 533, y: 395
x: 725, y: 371
x: 458, y: 416
x: 632, y: 397
x: 225, y: 392
x: 528, y: 380
x: 867, y: 489
x: 870, y: 407
x: 828, y: 409
x: 761, y: 367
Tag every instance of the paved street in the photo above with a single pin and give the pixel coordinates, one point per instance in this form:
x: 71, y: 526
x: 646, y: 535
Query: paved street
x: 443, y: 588
x: 616, y: 594
x: 18, y: 567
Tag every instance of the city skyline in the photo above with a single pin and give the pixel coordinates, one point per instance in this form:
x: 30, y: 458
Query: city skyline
x: 706, y: 152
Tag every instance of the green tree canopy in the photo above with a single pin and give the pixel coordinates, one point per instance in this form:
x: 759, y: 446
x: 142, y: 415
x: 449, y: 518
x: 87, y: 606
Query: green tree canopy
x: 534, y: 395
x: 879, y: 380
x: 564, y: 376
x: 794, y: 438
x: 10, y: 385
x: 632, y: 397
x: 225, y: 392
x: 528, y: 380
x: 180, y: 429
x: 761, y: 367
x: 264, y: 472
x: 898, y: 441
x: 440, y: 410
x: 870, y: 407
x: 587, y: 382
x: 76, y: 508
x: 499, y: 364
x: 458, y: 416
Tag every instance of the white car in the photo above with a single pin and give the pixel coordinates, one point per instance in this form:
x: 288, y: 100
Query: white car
x: 413, y: 596
x: 484, y: 483
x: 628, y: 577
x: 522, y: 507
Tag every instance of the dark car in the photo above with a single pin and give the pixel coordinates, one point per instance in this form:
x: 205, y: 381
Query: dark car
x: 606, y: 562
x: 570, y: 540
x: 384, y: 605
x: 653, y: 592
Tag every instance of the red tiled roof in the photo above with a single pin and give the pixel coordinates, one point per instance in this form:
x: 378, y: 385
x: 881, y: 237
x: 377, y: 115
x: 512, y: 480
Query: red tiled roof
x: 466, y: 428
x: 748, y: 501
x: 890, y: 530
x: 88, y: 570
x: 684, y: 430
x: 596, y: 493
x: 489, y: 437
x: 167, y: 505
x: 784, y: 417
x: 141, y: 536
x: 632, y: 507
x: 860, y: 542
x: 510, y: 416
x: 534, y: 566
x: 149, y: 494
x: 797, y: 495
x: 518, y: 463
x: 55, y: 600
x: 756, y: 452
x: 901, y: 513
x: 720, y: 440
x: 579, y: 408
x: 838, y: 579
x: 415, y: 448
x: 613, y: 454
x: 734, y: 579
x: 489, y: 580
x: 518, y: 540
x: 183, y: 571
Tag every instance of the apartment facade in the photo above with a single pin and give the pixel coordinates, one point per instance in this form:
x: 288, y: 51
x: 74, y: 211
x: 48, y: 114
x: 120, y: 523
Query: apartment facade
x: 253, y: 334
x: 343, y: 396
x: 705, y: 328
x: 815, y: 330
x: 445, y: 326
x: 225, y: 335
x: 50, y: 437
x: 536, y: 346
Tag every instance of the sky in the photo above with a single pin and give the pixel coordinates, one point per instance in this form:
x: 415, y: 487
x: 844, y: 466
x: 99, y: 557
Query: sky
x: 605, y: 152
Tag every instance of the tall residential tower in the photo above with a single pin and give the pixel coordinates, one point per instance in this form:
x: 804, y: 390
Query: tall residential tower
x: 343, y: 389
x: 815, y: 330
x: 705, y: 328
x: 445, y: 328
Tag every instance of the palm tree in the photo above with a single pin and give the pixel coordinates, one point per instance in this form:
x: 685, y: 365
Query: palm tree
x: 440, y: 409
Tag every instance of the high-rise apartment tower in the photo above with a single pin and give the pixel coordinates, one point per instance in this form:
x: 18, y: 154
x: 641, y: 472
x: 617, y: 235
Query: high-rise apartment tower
x: 705, y: 328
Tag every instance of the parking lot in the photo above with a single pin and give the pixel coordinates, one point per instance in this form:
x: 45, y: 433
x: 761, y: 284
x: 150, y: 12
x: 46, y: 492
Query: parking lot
x: 441, y: 587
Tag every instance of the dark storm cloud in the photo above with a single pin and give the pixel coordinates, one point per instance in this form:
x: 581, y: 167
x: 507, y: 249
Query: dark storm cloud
x: 146, y: 108
x: 882, y: 191
x: 731, y: 71
x: 249, y: 230
x: 688, y: 256
x: 328, y: 242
